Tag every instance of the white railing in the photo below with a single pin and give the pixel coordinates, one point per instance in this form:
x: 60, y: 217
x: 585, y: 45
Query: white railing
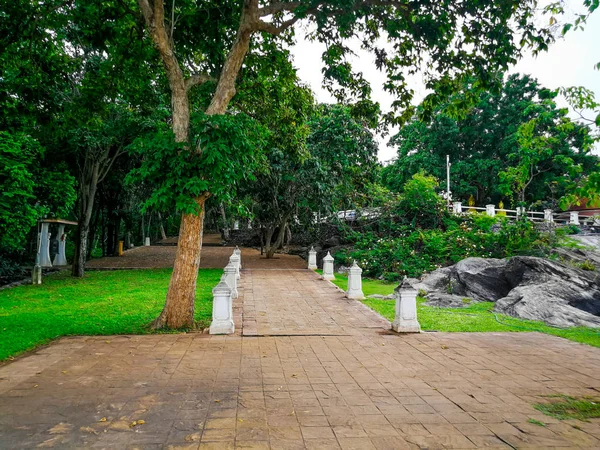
x: 570, y: 217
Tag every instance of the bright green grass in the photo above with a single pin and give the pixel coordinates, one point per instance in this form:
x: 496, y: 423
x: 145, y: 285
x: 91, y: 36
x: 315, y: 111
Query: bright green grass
x: 101, y: 303
x: 571, y: 408
x: 476, y: 317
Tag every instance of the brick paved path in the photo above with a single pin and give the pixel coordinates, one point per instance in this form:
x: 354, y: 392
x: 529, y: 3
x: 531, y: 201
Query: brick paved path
x: 309, y: 369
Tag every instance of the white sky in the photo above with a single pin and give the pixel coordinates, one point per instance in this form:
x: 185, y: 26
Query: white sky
x: 569, y: 61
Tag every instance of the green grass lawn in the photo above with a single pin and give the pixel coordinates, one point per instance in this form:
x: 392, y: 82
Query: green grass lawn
x: 101, y: 303
x: 475, y: 317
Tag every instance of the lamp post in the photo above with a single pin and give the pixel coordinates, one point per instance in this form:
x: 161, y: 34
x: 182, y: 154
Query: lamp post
x: 448, y: 193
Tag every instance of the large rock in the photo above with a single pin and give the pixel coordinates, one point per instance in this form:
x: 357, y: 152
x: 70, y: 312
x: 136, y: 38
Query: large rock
x: 483, y: 279
x: 479, y: 278
x: 552, y: 292
x: 525, y: 287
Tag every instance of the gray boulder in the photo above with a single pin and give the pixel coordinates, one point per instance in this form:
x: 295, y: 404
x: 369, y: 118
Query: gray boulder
x: 552, y: 292
x: 441, y: 300
x: 479, y: 278
x: 524, y: 287
x: 483, y: 279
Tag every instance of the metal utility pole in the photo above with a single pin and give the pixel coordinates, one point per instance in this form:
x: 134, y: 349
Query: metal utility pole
x: 448, y: 192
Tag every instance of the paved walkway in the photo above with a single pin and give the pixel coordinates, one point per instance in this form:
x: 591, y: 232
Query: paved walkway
x: 213, y: 257
x: 308, y: 369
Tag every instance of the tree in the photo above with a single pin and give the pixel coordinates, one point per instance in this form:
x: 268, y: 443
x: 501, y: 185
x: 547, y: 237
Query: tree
x: 28, y: 192
x: 319, y: 170
x: 455, y: 38
x: 71, y: 78
x: 490, y: 140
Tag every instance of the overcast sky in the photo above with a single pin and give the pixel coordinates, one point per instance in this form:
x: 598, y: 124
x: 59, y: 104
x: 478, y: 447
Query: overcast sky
x: 569, y: 62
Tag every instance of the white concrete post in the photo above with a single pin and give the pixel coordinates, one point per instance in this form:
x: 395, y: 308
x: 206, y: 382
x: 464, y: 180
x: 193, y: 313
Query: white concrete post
x: 60, y: 259
x: 312, y: 258
x: 44, y: 250
x: 236, y: 225
x: 328, y: 267
x: 36, y: 275
x: 574, y: 218
x: 249, y: 224
x: 355, y: 283
x: 222, y: 316
x: 238, y: 252
x: 548, y: 217
x: 490, y: 210
x: 520, y: 211
x: 231, y: 279
x: 457, y: 207
x: 147, y: 242
x: 406, y: 310
x: 235, y: 261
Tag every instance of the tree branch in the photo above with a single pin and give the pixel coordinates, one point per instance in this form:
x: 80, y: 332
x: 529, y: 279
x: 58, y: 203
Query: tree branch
x: 146, y: 10
x: 267, y: 27
x: 277, y: 7
x: 199, y: 78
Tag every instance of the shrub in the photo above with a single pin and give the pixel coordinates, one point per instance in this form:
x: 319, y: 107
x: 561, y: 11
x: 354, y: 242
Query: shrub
x: 415, y: 234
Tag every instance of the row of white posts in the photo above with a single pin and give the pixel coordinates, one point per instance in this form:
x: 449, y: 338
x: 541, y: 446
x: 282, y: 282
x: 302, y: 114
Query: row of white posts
x: 490, y: 210
x: 405, y: 320
x: 223, y: 295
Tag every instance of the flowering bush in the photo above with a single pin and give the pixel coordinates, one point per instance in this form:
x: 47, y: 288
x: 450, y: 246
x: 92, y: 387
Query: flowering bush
x: 416, y: 235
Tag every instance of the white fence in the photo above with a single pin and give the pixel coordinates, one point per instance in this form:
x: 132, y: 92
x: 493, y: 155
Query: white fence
x: 561, y: 218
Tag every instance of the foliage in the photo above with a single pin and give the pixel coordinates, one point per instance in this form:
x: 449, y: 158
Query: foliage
x: 472, y: 318
x: 229, y: 151
x: 416, y: 234
x: 28, y: 192
x: 328, y: 162
x: 102, y: 303
x: 419, y: 204
x: 564, y: 407
x: 514, y: 141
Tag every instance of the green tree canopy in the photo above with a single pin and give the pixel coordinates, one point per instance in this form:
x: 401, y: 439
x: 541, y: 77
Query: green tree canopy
x: 515, y: 143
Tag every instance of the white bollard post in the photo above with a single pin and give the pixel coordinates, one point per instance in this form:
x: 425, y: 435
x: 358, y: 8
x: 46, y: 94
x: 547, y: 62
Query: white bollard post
x: 574, y: 218
x: 355, y: 283
x: 44, y: 250
x: 60, y: 259
x: 36, y: 275
x: 328, y: 267
x: 231, y: 279
x: 222, y: 317
x: 520, y: 212
x: 312, y: 258
x: 147, y: 242
x: 548, y: 217
x: 236, y: 225
x: 238, y: 252
x: 406, y: 309
x: 235, y: 261
x: 457, y: 207
x: 249, y: 224
x: 490, y: 210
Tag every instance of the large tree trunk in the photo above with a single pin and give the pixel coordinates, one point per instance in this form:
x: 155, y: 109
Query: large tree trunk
x: 268, y: 238
x: 87, y: 193
x: 179, y: 307
x: 271, y: 249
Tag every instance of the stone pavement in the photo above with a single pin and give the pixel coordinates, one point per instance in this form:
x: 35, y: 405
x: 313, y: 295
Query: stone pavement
x: 213, y: 257
x: 309, y: 369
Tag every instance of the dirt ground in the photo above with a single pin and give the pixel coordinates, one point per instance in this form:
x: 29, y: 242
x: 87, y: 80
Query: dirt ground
x: 214, y: 256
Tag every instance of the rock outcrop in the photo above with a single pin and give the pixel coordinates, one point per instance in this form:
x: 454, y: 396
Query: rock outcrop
x: 521, y: 286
